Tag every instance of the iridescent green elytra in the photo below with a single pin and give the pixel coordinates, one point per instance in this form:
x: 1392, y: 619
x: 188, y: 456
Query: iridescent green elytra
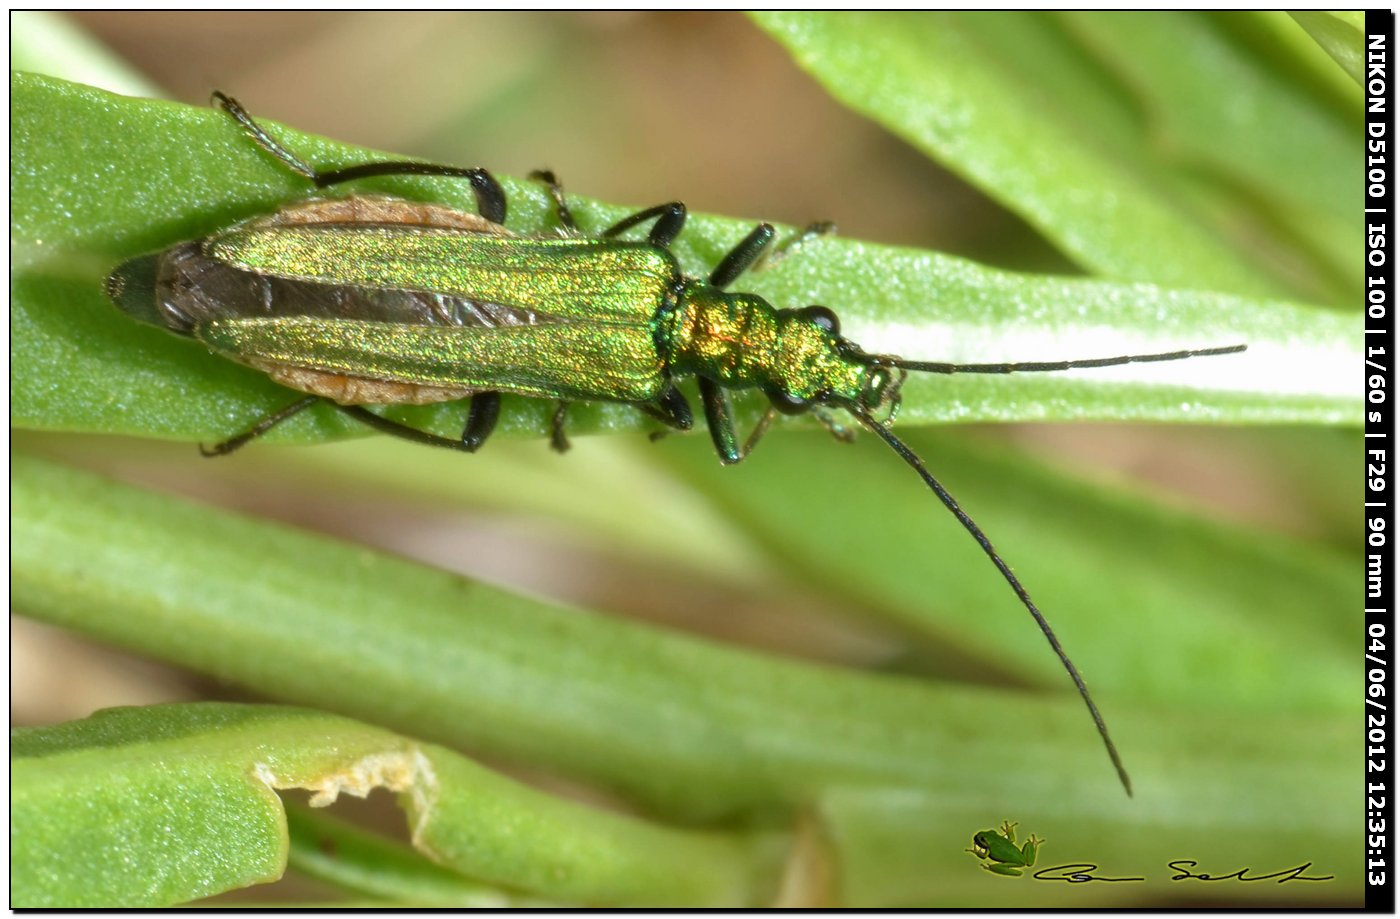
x: 374, y: 300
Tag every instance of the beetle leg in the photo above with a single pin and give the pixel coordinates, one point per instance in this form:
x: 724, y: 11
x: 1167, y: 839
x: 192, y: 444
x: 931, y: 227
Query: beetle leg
x: 742, y: 256
x: 265, y: 424
x: 465, y: 444
x: 401, y: 430
x: 481, y: 420
x: 720, y: 418
x: 782, y: 250
x: 561, y: 207
x: 760, y: 429
x: 557, y: 439
x: 263, y: 139
x: 833, y: 424
x: 490, y: 198
x: 670, y: 218
x: 671, y: 410
x: 755, y: 253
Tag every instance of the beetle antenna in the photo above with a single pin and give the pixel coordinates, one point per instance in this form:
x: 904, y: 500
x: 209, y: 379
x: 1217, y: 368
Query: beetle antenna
x: 949, y: 502
x: 1039, y: 366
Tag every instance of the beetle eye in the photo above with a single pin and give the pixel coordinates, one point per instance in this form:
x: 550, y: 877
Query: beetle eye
x: 822, y: 317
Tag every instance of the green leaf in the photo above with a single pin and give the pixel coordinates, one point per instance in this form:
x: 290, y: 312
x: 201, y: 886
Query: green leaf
x: 1340, y: 34
x: 103, y: 816
x: 1119, y: 578
x: 363, y: 862
x: 96, y: 179
x: 178, y: 802
x: 686, y: 728
x: 1105, y: 132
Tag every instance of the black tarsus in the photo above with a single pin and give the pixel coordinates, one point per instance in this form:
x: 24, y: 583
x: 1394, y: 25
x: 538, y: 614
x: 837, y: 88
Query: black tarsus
x: 558, y: 440
x: 263, y: 425
x: 814, y: 230
x: 910, y: 457
x: 556, y: 192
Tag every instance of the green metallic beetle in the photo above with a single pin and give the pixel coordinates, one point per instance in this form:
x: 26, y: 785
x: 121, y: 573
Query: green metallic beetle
x: 376, y: 300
